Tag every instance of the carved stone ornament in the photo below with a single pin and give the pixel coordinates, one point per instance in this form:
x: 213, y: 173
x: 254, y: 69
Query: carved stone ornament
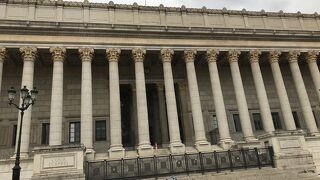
x: 312, y: 56
x: 293, y: 56
x: 86, y: 54
x: 58, y: 53
x: 2, y: 54
x: 254, y: 56
x: 212, y: 55
x: 233, y: 55
x: 166, y: 55
x: 28, y: 53
x: 274, y: 56
x: 138, y: 54
x: 113, y: 54
x: 189, y: 55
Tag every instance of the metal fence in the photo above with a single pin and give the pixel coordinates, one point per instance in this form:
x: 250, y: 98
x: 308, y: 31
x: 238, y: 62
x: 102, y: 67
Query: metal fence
x: 176, y: 164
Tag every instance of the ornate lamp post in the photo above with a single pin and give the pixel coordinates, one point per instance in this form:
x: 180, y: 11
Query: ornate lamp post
x: 28, y: 98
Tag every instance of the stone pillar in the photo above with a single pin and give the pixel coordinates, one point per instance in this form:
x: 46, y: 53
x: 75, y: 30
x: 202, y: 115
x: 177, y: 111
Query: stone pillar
x: 233, y: 57
x: 281, y: 91
x: 28, y: 56
x: 261, y: 92
x: 176, y: 147
x: 201, y: 142
x: 134, y: 116
x: 302, y: 92
x: 86, y: 55
x: 314, y: 71
x: 163, y: 115
x: 56, y: 112
x: 145, y: 148
x: 2, y: 57
x: 225, y: 138
x: 116, y: 150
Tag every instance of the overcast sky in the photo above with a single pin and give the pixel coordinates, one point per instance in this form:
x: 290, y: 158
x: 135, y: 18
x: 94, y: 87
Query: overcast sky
x: 305, y: 6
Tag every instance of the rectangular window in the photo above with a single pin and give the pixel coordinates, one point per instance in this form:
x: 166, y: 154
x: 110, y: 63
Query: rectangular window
x: 45, y: 134
x: 74, y: 132
x: 257, y: 121
x: 101, y: 130
x: 14, y: 135
x: 237, y: 124
x: 276, y: 120
x: 296, y: 119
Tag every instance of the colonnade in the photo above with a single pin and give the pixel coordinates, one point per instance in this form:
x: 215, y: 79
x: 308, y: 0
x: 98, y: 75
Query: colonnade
x: 176, y: 146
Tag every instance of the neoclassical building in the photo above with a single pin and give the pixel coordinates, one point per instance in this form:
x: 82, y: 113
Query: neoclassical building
x: 127, y: 81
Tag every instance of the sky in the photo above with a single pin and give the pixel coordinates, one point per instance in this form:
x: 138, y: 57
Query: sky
x: 304, y: 6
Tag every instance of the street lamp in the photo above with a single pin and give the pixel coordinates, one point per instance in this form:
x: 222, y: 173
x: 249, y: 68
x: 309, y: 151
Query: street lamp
x: 28, y: 98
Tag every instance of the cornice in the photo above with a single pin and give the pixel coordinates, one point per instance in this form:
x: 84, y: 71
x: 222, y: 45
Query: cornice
x: 161, y: 7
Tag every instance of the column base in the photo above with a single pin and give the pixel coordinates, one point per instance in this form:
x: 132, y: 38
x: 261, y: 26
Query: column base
x: 145, y: 150
x: 226, y: 143
x: 203, y: 146
x: 23, y: 155
x: 89, y: 153
x: 177, y: 148
x: 116, y: 152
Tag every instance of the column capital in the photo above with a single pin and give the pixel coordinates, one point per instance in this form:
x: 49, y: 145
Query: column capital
x: 86, y: 54
x: 212, y: 55
x: 166, y: 55
x: 233, y: 55
x: 3, y: 53
x: 28, y: 53
x: 138, y: 54
x: 189, y: 55
x: 58, y: 53
x: 254, y: 56
x: 312, y: 56
x: 113, y: 54
x: 274, y: 56
x: 293, y: 56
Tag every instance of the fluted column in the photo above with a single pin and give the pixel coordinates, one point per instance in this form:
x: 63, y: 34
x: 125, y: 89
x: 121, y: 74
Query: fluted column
x: 163, y: 116
x: 56, y: 112
x: 314, y: 71
x: 201, y: 143
x: 176, y: 146
x: 144, y: 148
x: 302, y: 92
x: 29, y: 56
x: 2, y: 58
x: 261, y: 92
x: 233, y: 57
x: 225, y: 138
x: 116, y: 150
x: 86, y: 55
x: 281, y: 91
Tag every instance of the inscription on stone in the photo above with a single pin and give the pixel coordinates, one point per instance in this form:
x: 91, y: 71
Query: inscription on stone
x: 289, y: 143
x: 58, y: 162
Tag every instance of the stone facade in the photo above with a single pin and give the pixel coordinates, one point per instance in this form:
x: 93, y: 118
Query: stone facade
x: 187, y: 80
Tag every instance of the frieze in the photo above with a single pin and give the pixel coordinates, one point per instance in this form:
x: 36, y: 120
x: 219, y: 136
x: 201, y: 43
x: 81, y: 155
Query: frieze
x: 183, y: 8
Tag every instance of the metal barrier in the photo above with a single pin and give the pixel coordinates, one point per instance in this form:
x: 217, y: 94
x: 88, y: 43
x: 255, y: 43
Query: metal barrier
x: 177, y: 164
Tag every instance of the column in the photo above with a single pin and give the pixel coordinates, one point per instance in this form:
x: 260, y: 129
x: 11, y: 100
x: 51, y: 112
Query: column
x: 116, y: 150
x: 225, y: 138
x: 144, y: 148
x: 201, y: 142
x: 163, y: 115
x: 2, y: 57
x: 314, y: 71
x: 233, y: 57
x: 56, y: 112
x: 261, y: 92
x: 281, y: 91
x: 302, y: 93
x: 86, y: 55
x: 29, y: 56
x: 176, y: 147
